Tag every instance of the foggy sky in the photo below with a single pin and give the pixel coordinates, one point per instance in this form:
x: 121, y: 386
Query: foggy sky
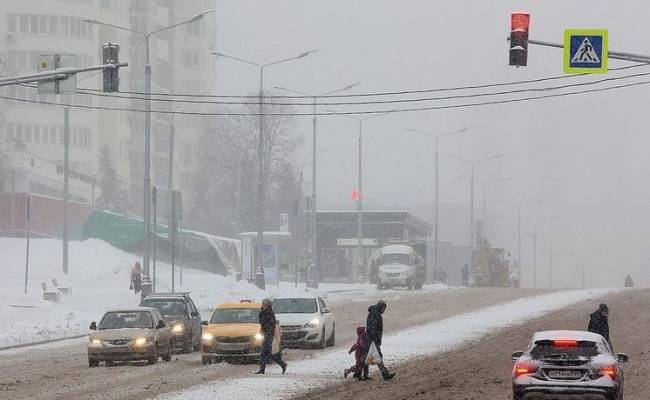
x: 587, y: 155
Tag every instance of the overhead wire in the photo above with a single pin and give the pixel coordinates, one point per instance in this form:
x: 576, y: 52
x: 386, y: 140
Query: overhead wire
x: 328, y: 113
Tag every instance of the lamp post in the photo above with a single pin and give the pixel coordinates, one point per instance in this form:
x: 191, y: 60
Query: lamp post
x: 519, y: 207
x: 314, y: 161
x: 485, y: 190
x: 473, y: 164
x: 436, y: 224
x: 259, y: 272
x: 535, y: 248
x: 361, y: 256
x: 147, y: 124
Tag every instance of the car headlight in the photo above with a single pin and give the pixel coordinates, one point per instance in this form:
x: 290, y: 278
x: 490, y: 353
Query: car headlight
x: 314, y: 323
x: 178, y: 328
x: 95, y: 343
x: 258, y: 337
x: 207, y: 337
x: 140, y: 341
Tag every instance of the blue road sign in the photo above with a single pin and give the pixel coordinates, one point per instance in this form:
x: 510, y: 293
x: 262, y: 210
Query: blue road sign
x: 585, y: 50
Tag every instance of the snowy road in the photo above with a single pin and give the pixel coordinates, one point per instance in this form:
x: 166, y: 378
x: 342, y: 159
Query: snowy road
x: 60, y: 371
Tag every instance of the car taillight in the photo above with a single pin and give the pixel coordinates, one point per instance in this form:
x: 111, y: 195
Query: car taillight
x: 524, y: 368
x: 609, y: 371
x: 565, y: 343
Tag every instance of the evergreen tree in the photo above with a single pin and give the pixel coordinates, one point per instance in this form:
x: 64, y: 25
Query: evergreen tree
x: 113, y: 197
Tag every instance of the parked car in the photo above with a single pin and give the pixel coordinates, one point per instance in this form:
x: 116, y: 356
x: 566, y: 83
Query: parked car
x: 568, y: 364
x: 305, y: 321
x: 183, y: 317
x: 234, y: 332
x: 139, y: 333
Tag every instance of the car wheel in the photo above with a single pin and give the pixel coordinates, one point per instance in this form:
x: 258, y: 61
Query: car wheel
x: 197, y: 346
x: 168, y: 354
x: 323, y: 342
x: 110, y: 363
x: 154, y: 358
x: 187, y: 345
x: 93, y: 363
x: 332, y: 341
x: 205, y: 360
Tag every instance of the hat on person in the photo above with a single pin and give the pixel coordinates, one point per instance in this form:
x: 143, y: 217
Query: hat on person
x: 603, y: 307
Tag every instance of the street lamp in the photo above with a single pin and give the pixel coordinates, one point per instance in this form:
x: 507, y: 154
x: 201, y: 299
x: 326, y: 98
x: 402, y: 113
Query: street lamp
x: 436, y: 224
x: 259, y: 273
x: 535, y: 247
x: 519, y: 206
x: 147, y: 125
x: 314, y: 162
x: 361, y: 257
x: 485, y: 189
x: 473, y: 164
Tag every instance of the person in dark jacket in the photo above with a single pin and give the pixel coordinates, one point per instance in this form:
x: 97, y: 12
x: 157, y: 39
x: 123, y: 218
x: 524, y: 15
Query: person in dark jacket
x: 374, y: 333
x: 267, y: 324
x: 628, y: 281
x: 465, y: 273
x: 598, y: 321
x: 360, y: 369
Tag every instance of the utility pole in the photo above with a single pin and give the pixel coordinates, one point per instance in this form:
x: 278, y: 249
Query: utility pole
x: 170, y: 185
x: 66, y: 184
x: 550, y: 266
x: 359, y: 210
x: 154, y: 201
x: 28, y: 213
x: 296, y: 213
x: 535, y: 260
x: 173, y: 215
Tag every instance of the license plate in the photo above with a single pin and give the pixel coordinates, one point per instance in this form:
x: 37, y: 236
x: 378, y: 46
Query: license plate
x: 233, y: 346
x: 564, y: 374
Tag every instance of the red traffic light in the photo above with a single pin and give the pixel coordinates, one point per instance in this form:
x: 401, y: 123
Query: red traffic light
x: 519, y: 21
x: 519, y: 25
x: 356, y: 196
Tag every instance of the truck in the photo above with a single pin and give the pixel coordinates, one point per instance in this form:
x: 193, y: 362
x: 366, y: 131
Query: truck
x: 399, y: 265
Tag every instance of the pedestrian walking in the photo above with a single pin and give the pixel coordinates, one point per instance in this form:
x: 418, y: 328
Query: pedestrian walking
x: 628, y: 281
x: 267, y: 324
x: 136, y: 278
x: 465, y: 272
x: 374, y: 333
x: 598, y: 322
x: 360, y: 369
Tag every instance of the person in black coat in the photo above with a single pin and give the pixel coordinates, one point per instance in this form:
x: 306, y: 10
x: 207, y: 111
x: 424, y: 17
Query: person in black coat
x: 374, y: 333
x: 598, y: 322
x: 267, y: 325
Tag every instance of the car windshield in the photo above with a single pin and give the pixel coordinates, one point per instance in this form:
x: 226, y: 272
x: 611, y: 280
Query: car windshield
x: 126, y: 319
x: 394, y: 259
x: 295, y: 306
x: 235, y: 316
x: 548, y: 349
x: 167, y: 307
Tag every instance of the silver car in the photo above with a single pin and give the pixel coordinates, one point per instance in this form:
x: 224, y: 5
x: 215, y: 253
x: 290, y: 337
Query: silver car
x: 568, y: 365
x: 139, y: 333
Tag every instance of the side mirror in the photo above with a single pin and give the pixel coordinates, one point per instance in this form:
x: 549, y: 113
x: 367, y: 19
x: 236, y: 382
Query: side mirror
x: 326, y: 311
x: 622, y: 357
x: 516, y: 355
x: 93, y: 326
x: 204, y: 323
x: 161, y: 324
x: 195, y: 314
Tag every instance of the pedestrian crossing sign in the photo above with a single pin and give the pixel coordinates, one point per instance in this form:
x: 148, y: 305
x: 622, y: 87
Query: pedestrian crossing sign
x: 585, y: 51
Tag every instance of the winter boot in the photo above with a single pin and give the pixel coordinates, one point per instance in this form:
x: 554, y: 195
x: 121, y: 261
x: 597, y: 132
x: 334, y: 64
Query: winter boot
x: 384, y: 372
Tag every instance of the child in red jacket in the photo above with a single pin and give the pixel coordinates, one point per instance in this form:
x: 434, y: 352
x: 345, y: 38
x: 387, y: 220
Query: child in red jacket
x: 360, y: 369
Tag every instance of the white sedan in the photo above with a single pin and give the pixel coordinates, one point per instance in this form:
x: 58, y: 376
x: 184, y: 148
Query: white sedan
x: 305, y: 321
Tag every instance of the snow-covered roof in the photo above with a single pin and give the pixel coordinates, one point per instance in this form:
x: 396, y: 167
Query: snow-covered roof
x: 132, y: 309
x: 570, y: 335
x: 397, y: 249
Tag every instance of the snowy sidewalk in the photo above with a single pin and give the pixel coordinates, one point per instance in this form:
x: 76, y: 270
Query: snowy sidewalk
x: 425, y: 340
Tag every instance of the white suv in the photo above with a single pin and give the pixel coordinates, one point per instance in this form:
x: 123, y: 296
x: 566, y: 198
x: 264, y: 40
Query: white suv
x: 305, y: 321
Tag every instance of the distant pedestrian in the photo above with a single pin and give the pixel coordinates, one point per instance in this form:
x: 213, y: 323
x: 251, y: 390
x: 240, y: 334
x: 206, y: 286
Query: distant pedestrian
x: 136, y: 278
x: 598, y: 322
x: 465, y: 273
x: 374, y: 333
x: 267, y: 325
x: 628, y: 281
x: 360, y: 369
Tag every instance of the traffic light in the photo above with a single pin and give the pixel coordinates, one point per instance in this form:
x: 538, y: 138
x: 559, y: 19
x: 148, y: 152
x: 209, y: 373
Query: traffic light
x: 519, y: 25
x: 356, y: 196
x: 111, y: 75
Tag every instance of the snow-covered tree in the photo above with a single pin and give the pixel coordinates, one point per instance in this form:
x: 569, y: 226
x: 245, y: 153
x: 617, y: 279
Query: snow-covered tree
x: 112, y: 197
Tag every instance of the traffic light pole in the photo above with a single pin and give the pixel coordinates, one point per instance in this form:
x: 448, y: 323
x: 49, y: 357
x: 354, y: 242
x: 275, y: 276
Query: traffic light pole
x: 617, y: 55
x: 58, y: 74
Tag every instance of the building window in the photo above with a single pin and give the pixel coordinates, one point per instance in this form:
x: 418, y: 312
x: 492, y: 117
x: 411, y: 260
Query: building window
x: 46, y: 135
x: 37, y: 134
x: 23, y: 23
x: 12, y: 23
x: 33, y: 19
x: 28, y: 134
x: 19, y: 133
x: 54, y: 25
x: 53, y: 134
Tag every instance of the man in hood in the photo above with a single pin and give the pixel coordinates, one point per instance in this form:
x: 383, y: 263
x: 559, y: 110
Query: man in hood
x: 598, y: 322
x: 374, y: 333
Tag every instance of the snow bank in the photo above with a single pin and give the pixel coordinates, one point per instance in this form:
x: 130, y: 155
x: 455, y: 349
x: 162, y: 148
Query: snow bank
x: 99, y: 278
x: 428, y: 339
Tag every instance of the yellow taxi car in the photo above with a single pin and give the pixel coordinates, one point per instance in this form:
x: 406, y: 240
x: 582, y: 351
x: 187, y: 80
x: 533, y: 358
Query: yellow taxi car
x: 233, y: 332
